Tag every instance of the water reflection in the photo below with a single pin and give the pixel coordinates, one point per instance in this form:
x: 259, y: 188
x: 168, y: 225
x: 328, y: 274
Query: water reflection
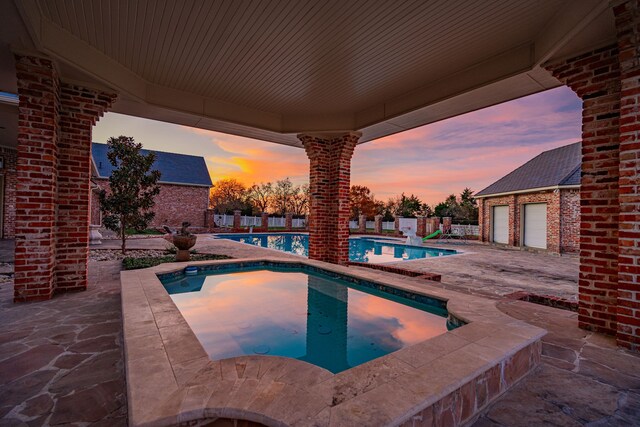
x: 360, y: 249
x: 299, y: 315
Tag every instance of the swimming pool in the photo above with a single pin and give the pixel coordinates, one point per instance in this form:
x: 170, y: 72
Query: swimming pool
x: 332, y: 321
x: 361, y: 249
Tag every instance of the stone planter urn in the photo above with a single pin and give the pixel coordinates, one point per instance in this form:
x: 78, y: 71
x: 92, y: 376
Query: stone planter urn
x: 183, y: 241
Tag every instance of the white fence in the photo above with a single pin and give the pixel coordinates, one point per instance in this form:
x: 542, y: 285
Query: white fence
x: 256, y: 221
x: 388, y: 225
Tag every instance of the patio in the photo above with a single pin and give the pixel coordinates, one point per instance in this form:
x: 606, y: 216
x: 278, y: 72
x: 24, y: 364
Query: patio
x: 583, y: 377
x: 322, y: 79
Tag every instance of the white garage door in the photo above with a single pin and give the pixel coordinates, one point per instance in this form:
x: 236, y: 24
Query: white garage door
x: 535, y: 225
x: 501, y: 224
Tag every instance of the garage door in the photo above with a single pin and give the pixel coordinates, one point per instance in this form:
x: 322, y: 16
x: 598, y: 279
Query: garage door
x: 500, y: 224
x: 535, y: 225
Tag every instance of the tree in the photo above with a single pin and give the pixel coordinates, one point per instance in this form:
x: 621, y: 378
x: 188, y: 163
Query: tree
x: 468, y: 206
x: 228, y: 195
x: 408, y: 207
x: 283, y: 192
x: 260, y: 195
x: 300, y: 200
x: 448, y: 208
x: 463, y: 209
x: 133, y: 188
x: 363, y: 202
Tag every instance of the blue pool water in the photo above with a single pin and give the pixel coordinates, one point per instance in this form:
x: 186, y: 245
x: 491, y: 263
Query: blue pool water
x: 302, y: 313
x: 361, y: 249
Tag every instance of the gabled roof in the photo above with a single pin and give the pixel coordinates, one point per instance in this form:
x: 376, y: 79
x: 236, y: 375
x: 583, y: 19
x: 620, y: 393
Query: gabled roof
x: 175, y: 168
x: 558, y: 167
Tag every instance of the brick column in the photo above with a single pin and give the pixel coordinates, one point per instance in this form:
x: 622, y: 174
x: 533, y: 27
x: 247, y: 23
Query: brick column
x: 554, y: 229
x: 481, y: 224
x: 627, y: 17
x: 80, y: 108
x: 330, y: 173
x: 37, y: 170
x: 53, y: 180
x: 264, y: 221
x: 362, y: 223
x: 595, y: 77
x: 446, y: 224
x: 436, y: 223
x: 378, y: 224
x: 514, y: 221
x: 237, y: 219
x: 288, y: 221
x: 421, y: 227
x: 209, y: 219
x: 396, y: 224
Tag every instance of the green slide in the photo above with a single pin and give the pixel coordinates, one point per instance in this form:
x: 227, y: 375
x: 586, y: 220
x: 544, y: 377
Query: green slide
x: 432, y: 235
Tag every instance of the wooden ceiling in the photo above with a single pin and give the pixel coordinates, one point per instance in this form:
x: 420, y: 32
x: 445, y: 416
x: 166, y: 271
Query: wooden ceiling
x: 270, y: 69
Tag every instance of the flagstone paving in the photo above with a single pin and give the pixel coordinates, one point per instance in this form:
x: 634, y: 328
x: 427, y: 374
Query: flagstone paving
x: 61, y: 360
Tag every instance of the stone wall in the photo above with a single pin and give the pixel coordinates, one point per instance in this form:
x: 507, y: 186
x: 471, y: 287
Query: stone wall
x: 177, y: 203
x: 563, y: 218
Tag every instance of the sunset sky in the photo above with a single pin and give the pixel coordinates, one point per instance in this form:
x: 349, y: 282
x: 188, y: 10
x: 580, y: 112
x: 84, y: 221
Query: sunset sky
x: 433, y: 161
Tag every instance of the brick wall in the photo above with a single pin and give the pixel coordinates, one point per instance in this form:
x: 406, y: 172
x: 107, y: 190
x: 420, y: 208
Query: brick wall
x: 627, y: 17
x: 595, y: 77
x: 177, y: 203
x: 570, y: 220
x: 555, y: 223
x: 10, y: 179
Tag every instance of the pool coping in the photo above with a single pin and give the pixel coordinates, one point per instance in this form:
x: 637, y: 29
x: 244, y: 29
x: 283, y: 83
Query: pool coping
x: 170, y: 378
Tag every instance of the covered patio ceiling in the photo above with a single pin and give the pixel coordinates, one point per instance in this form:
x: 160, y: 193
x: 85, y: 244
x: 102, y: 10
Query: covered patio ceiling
x: 270, y: 70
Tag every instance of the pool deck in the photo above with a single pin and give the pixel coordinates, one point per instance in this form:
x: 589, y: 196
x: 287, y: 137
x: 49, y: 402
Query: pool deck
x: 583, y: 378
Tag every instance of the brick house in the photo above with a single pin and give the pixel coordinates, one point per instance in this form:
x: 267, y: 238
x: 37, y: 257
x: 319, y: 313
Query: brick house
x: 184, y: 187
x: 537, y: 205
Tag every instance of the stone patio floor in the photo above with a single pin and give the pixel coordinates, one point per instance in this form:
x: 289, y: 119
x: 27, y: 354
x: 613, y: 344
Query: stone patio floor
x: 61, y: 360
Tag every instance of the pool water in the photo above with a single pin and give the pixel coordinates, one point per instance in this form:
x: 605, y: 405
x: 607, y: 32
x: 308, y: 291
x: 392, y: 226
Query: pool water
x: 361, y: 249
x: 301, y: 314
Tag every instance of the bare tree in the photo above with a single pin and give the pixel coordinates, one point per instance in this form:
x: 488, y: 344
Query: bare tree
x: 260, y: 195
x: 300, y: 200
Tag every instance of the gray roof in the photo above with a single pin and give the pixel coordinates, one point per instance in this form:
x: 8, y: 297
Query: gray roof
x: 175, y: 168
x: 558, y: 167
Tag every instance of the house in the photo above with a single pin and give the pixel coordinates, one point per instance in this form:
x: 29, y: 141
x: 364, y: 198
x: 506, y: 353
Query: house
x: 184, y: 187
x: 537, y: 205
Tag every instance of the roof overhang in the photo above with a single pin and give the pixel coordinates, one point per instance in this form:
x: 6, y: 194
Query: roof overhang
x: 529, y: 190
x: 272, y: 71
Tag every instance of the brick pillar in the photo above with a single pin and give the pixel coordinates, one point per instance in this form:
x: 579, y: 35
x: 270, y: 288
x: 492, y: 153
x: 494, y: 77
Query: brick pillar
x: 237, y: 219
x: 481, y: 223
x: 37, y: 170
x: 446, y: 224
x: 362, y: 223
x: 396, y: 224
x: 80, y: 109
x: 264, y: 221
x: 288, y: 221
x: 554, y: 229
x: 514, y: 221
x: 421, y: 228
x: 436, y: 223
x: 595, y: 77
x: 378, y: 224
x: 627, y: 17
x: 209, y: 218
x: 330, y: 173
x: 53, y: 180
